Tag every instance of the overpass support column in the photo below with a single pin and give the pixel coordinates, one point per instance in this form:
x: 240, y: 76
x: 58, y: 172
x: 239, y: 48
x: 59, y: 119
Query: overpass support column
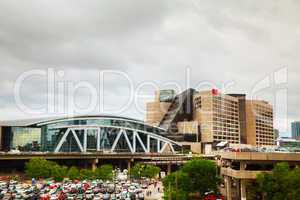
x: 243, y: 189
x: 243, y: 165
x: 238, y: 188
x: 228, y: 188
x: 131, y: 161
x: 129, y: 165
x: 94, y: 164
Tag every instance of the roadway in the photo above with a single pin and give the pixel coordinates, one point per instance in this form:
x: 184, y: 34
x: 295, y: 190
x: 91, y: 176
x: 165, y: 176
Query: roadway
x: 155, y: 157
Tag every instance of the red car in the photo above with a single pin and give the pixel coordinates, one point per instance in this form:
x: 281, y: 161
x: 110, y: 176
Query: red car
x: 214, y: 197
x: 45, y: 197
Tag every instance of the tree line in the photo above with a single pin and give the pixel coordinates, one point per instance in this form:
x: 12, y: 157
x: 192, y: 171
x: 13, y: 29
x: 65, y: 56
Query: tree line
x: 42, y: 168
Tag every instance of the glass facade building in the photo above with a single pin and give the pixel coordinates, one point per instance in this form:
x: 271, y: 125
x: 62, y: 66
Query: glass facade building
x: 296, y: 130
x: 86, y: 134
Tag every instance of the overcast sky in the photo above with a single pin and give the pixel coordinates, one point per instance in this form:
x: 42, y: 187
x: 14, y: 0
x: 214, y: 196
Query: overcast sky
x: 248, y: 47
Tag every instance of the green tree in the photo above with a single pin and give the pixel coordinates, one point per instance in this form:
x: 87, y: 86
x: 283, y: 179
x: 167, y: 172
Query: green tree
x: 294, y: 184
x: 142, y: 170
x: 195, y: 176
x: 151, y: 171
x: 137, y: 170
x: 58, y: 172
x: 281, y: 184
x: 38, y: 168
x: 86, y: 174
x: 176, y: 186
x: 104, y: 172
x: 73, y: 173
x: 202, y: 175
x: 253, y: 191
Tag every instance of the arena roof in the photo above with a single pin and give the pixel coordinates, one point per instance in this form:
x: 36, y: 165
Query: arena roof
x: 33, y: 121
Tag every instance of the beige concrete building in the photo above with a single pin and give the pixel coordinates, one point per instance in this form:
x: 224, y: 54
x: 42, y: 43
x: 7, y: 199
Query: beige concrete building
x: 218, y: 116
x: 188, y: 127
x: 211, y: 117
x: 259, y: 126
x: 156, y: 110
x: 194, y: 147
x: 190, y: 132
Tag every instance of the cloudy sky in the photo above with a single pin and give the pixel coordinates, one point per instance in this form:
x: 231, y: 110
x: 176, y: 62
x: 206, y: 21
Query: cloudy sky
x: 237, y: 46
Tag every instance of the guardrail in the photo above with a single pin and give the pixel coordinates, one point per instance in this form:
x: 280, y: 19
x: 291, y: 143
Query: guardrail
x: 95, y: 155
x: 261, y: 156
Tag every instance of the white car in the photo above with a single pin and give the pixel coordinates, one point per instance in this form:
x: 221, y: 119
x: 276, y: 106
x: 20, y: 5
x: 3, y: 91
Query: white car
x: 53, y: 197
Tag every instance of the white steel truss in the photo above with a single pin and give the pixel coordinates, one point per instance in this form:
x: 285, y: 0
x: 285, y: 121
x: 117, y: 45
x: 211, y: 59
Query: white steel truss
x: 161, y: 142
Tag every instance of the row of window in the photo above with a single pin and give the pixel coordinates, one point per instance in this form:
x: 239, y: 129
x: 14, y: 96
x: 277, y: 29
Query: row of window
x: 225, y: 121
x: 222, y: 116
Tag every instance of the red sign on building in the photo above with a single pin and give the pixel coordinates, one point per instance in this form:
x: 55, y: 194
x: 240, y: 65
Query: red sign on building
x: 214, y: 92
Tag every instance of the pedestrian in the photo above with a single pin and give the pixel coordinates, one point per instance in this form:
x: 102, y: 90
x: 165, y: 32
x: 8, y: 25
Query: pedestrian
x: 33, y: 181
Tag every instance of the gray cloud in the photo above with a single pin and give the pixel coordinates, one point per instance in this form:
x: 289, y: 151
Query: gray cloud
x: 234, y: 41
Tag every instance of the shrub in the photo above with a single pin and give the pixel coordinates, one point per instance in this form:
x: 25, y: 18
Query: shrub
x: 105, y: 172
x: 38, y: 168
x: 142, y: 170
x: 86, y: 174
x: 58, y: 172
x: 73, y: 173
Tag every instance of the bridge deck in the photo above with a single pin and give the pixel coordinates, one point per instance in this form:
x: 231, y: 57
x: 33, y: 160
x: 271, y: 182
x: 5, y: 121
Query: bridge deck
x: 96, y: 155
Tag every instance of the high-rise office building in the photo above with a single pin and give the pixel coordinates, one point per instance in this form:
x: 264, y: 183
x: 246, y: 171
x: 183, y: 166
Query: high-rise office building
x: 211, y: 117
x: 259, y: 123
x: 242, y: 116
x: 296, y: 130
x: 218, y: 116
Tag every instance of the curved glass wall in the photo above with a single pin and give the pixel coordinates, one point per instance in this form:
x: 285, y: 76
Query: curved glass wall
x: 87, y: 135
x: 53, y: 132
x: 25, y: 139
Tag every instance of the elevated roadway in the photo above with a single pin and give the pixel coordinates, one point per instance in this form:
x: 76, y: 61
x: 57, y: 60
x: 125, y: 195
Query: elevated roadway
x: 96, y: 155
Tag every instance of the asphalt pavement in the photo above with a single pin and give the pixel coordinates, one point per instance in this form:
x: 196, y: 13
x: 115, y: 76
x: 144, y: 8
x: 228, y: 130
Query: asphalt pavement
x: 155, y: 194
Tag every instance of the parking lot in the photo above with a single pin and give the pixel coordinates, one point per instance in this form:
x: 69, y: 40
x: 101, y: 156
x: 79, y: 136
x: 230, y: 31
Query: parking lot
x: 119, y: 188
